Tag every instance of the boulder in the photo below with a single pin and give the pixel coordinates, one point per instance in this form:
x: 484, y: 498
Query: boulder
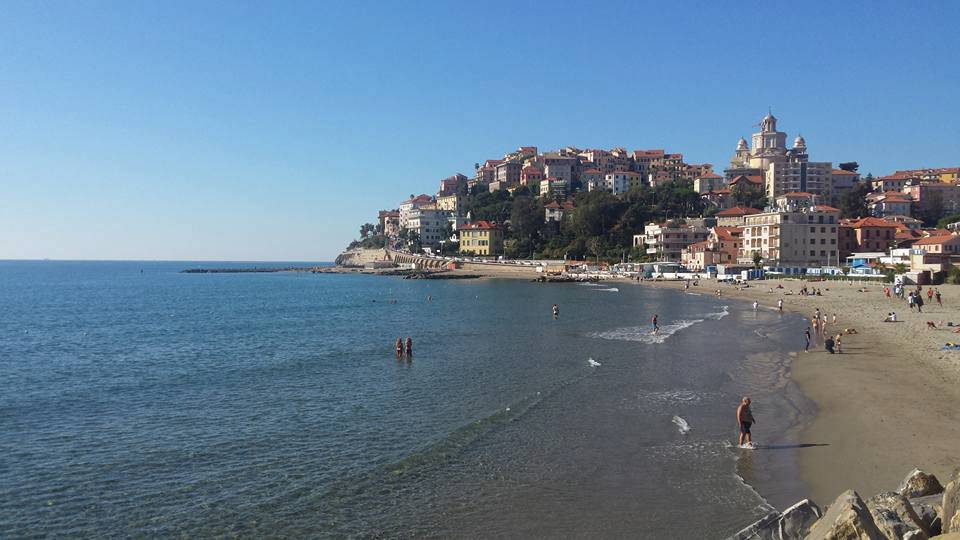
x: 848, y: 518
x: 791, y: 524
x: 919, y: 484
x: 928, y: 510
x: 950, y: 507
x: 895, y: 517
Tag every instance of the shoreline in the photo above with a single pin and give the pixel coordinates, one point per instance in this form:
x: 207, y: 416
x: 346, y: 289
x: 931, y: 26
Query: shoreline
x: 888, y: 404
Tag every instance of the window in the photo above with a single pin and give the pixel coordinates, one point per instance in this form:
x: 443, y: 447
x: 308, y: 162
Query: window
x: 813, y: 240
x: 813, y: 229
x: 823, y: 241
x: 823, y: 253
x: 823, y: 229
x: 813, y: 253
x: 833, y: 240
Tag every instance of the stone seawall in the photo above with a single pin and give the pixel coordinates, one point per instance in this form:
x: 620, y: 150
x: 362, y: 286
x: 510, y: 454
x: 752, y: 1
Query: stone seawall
x: 360, y: 257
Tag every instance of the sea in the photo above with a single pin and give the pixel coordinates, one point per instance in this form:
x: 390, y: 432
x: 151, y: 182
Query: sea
x: 140, y: 401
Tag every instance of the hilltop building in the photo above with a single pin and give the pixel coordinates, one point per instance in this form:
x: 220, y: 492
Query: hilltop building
x: 783, y: 170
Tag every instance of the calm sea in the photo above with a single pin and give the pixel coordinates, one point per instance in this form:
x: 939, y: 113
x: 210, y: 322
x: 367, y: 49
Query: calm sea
x: 139, y: 401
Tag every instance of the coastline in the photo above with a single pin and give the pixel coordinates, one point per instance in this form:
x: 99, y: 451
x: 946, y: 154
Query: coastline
x: 888, y: 404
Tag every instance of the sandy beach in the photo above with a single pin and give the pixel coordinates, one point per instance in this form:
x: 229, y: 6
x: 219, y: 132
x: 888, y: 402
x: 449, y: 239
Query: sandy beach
x: 889, y: 403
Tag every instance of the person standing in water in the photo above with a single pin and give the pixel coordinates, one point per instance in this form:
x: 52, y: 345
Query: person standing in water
x: 654, y: 324
x: 780, y: 305
x: 806, y: 336
x: 556, y: 312
x: 756, y: 305
x: 399, y: 347
x: 409, y: 348
x: 745, y: 420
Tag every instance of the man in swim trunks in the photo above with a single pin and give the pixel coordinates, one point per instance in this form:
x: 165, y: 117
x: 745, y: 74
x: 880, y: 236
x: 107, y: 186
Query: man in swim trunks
x: 653, y: 323
x: 745, y: 420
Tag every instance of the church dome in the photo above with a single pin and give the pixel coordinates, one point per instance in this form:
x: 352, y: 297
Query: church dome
x: 799, y: 142
x: 742, y: 144
x: 769, y: 122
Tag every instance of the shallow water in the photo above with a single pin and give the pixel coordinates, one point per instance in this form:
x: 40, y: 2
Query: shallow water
x: 160, y: 403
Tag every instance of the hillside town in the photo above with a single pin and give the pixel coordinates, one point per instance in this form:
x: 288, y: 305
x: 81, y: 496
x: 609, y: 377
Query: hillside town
x: 772, y: 208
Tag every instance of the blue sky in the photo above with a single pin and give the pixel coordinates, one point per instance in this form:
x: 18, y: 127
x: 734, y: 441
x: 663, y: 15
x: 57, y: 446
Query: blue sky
x: 271, y: 131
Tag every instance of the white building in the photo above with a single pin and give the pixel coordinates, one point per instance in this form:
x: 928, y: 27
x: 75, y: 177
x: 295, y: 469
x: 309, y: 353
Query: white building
x: 409, y: 205
x: 430, y: 224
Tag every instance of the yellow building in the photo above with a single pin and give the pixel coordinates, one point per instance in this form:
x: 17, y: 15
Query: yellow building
x: 481, y: 238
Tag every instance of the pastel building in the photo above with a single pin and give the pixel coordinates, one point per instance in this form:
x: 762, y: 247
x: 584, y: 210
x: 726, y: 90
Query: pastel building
x: 481, y: 238
x: 795, y: 233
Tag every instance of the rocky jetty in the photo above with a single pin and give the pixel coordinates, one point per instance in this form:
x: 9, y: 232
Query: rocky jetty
x: 359, y: 257
x: 920, y: 508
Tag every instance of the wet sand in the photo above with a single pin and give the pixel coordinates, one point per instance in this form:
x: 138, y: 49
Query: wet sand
x: 889, y: 403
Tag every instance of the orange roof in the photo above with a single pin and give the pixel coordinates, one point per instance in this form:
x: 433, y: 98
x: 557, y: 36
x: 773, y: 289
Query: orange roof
x: 710, y: 175
x: 737, y: 211
x: 727, y: 232
x: 531, y: 168
x: 797, y: 195
x: 751, y: 179
x: 592, y: 171
x: 553, y: 205
x: 723, y: 191
x: 933, y: 240
x: 841, y: 171
x: 480, y: 225
x: 825, y: 208
x: 647, y: 153
x: 937, y: 232
x: 870, y: 222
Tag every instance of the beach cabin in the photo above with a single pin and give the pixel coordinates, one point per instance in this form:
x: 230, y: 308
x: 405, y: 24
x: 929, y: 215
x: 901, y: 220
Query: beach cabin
x: 865, y: 264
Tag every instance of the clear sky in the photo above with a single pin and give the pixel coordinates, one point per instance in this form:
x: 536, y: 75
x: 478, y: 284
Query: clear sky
x: 272, y: 130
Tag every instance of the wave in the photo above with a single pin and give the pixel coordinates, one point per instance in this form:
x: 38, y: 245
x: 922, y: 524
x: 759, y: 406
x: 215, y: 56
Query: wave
x: 611, y: 289
x: 724, y: 311
x: 682, y: 425
x: 643, y: 334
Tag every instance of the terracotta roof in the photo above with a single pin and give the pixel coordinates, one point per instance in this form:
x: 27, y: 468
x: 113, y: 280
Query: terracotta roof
x: 751, y: 179
x: 531, y: 168
x: 937, y: 232
x: 592, y: 171
x: 797, y: 195
x: 727, y: 232
x: 554, y: 205
x: 841, y: 171
x: 737, y: 211
x: 933, y: 240
x: 418, y: 198
x: 710, y: 175
x: 825, y: 208
x: 724, y: 191
x: 870, y: 222
x: 480, y: 225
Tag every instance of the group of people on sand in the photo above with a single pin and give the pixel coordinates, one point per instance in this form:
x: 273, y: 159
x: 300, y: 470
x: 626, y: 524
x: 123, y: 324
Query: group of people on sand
x: 832, y: 343
x: 404, y: 349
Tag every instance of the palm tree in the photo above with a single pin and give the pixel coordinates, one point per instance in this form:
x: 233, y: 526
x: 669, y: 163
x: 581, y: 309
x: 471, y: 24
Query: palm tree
x: 757, y: 259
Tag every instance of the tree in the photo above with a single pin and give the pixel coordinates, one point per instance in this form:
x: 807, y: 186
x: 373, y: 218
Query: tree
x: 757, y: 259
x: 948, y: 219
x: 900, y: 268
x: 595, y: 245
x: 367, y: 229
x: 934, y: 209
x: 850, y: 166
x: 748, y: 197
x: 853, y: 204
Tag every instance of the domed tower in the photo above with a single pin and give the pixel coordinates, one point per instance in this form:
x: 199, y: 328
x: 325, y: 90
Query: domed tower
x: 769, y: 123
x: 741, y: 158
x: 800, y: 144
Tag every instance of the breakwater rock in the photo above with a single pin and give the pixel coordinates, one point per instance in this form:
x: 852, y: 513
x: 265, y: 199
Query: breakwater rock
x: 920, y: 509
x: 360, y: 257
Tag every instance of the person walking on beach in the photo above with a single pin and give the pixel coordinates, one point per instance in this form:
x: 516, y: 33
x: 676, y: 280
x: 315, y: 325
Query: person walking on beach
x: 780, y: 305
x: 399, y: 347
x: 918, y: 300
x: 745, y: 420
x: 806, y: 337
x: 654, y: 324
x: 938, y: 297
x: 837, y: 344
x: 409, y: 348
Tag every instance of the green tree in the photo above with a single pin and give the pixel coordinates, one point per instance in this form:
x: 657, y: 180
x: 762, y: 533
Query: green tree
x: 757, y: 259
x: 946, y: 220
x: 934, y: 209
x: 748, y: 197
x: 853, y: 204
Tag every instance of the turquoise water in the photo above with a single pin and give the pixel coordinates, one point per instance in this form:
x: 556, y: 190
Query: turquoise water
x: 139, y: 401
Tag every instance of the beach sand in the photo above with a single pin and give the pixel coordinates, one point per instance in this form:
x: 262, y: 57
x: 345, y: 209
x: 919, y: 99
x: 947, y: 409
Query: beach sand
x: 889, y: 403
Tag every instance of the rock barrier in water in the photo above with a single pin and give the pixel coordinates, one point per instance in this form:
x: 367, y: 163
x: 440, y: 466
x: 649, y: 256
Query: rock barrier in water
x: 920, y: 509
